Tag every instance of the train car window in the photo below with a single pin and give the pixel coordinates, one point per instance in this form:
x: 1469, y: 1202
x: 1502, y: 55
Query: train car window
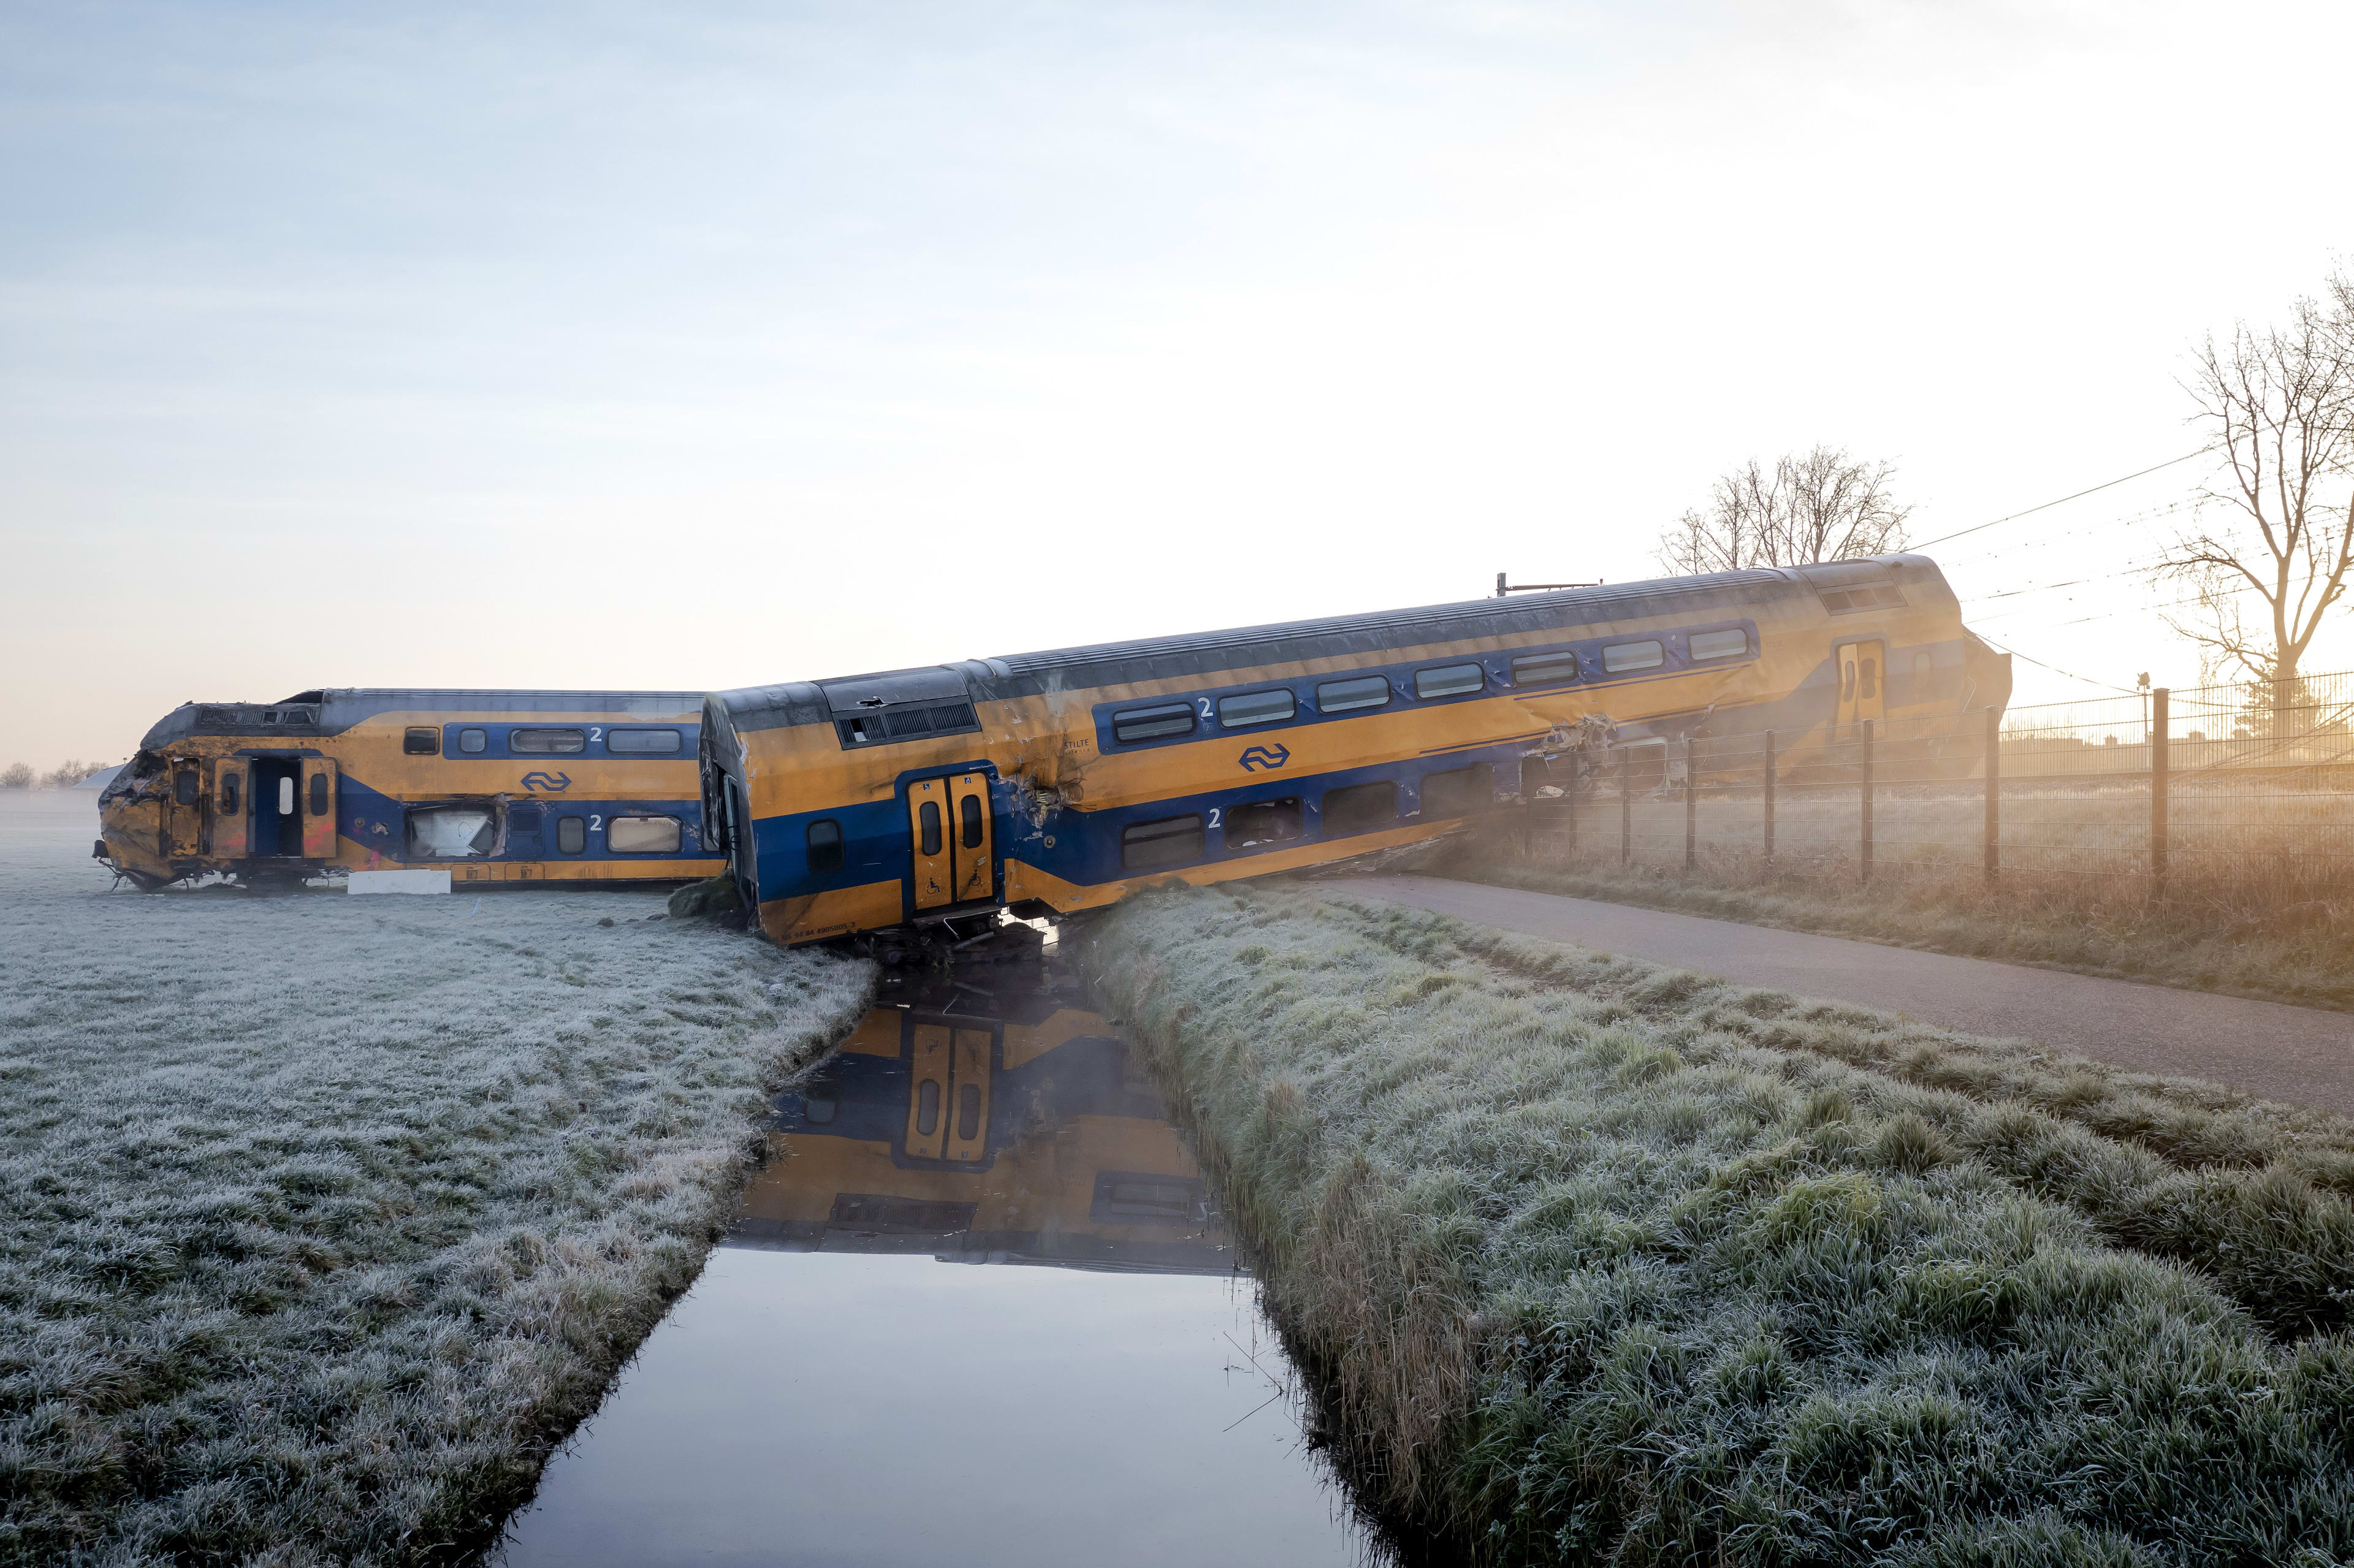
x: 968, y: 833
x: 1448, y: 680
x: 1727, y: 645
x: 968, y: 1111
x: 1545, y: 669
x: 1265, y: 822
x: 1153, y: 723
x: 1458, y: 791
x: 449, y: 832
x: 547, y: 740
x: 644, y: 836
x: 1360, y: 809
x: 1359, y: 692
x: 1171, y: 841
x: 1871, y: 678
x: 422, y: 740
x: 184, y: 787
x: 571, y: 835
x: 642, y: 740
x: 1248, y: 708
x: 318, y: 794
x: 928, y: 816
x: 1846, y: 602
x: 285, y: 795
x: 229, y: 792
x: 1645, y: 655
x: 824, y: 846
x: 473, y: 740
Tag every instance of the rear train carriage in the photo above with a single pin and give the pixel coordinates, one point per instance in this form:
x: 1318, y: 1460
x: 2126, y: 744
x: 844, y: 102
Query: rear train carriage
x: 496, y: 787
x: 1051, y: 782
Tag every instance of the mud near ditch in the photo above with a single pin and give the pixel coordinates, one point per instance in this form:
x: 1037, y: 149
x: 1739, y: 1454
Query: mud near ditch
x: 979, y: 1308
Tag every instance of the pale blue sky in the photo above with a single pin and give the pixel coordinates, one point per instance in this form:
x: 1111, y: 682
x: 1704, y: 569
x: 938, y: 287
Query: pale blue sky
x: 703, y: 345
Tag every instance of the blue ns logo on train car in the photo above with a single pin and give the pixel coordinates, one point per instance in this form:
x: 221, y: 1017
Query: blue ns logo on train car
x: 554, y: 783
x: 1268, y: 758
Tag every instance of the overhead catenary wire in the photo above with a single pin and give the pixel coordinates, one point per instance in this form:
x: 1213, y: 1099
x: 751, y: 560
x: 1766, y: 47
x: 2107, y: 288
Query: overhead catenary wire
x: 2079, y: 495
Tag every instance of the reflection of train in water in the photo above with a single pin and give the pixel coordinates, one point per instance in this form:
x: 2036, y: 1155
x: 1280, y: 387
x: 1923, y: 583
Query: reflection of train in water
x: 1022, y: 1136
x: 1062, y: 780
x: 494, y: 786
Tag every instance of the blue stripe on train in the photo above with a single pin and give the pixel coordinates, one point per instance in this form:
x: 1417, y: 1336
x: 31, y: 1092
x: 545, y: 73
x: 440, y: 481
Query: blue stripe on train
x: 378, y: 822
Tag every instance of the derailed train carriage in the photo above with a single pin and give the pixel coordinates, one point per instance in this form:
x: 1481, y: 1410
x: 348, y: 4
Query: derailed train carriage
x: 495, y: 787
x: 1058, y: 781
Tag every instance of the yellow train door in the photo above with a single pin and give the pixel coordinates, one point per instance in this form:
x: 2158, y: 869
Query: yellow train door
x: 928, y: 832
x: 318, y: 809
x: 230, y: 808
x: 184, y: 819
x: 976, y: 870
x: 947, y: 1093
x: 1860, y: 682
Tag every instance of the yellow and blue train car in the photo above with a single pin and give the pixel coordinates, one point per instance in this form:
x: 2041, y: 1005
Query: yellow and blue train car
x: 1020, y: 1134
x: 495, y: 787
x: 1058, y: 781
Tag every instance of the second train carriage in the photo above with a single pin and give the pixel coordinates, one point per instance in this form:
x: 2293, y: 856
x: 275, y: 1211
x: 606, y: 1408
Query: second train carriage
x: 496, y: 787
x: 1062, y: 780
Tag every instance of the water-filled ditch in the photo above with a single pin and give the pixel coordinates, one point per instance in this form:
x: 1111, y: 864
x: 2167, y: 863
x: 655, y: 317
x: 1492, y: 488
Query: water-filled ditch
x: 978, y: 1308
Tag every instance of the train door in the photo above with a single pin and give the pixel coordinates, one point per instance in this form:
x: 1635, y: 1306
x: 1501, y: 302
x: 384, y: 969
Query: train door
x: 229, y: 837
x: 183, y: 811
x: 319, y: 780
x: 927, y: 832
x: 947, y: 1093
x: 1863, y: 667
x: 976, y: 869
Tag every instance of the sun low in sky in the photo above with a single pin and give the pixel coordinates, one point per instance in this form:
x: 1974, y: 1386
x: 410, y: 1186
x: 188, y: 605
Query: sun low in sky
x: 700, y: 345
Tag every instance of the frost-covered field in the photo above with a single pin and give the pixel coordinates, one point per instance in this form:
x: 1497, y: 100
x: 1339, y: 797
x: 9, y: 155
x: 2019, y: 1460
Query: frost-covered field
x: 322, y: 1218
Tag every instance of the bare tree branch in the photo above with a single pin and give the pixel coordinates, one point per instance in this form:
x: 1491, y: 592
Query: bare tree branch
x: 1820, y: 506
x: 2278, y: 523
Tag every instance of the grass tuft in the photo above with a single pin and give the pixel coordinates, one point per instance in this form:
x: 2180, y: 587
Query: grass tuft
x: 1597, y: 1259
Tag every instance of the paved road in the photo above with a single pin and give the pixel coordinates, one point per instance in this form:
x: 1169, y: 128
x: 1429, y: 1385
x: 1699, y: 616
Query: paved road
x: 2296, y: 1054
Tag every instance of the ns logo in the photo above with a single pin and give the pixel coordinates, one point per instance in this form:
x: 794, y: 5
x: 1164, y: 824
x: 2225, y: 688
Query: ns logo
x: 1264, y: 758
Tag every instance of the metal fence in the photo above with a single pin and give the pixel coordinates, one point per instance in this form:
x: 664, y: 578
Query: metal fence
x: 2240, y: 794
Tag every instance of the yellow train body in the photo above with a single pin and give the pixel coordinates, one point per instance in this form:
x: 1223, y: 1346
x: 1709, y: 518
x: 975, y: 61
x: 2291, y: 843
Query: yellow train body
x: 1064, y: 780
x: 494, y: 786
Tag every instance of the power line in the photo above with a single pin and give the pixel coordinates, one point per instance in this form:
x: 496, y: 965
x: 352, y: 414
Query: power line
x: 2126, y: 691
x: 2031, y: 511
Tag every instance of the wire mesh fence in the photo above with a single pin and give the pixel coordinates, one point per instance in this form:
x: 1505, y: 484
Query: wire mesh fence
x: 2241, y: 795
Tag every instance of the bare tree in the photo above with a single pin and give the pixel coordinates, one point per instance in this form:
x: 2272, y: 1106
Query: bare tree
x: 67, y: 774
x: 19, y: 775
x: 2279, y: 404
x: 1820, y: 506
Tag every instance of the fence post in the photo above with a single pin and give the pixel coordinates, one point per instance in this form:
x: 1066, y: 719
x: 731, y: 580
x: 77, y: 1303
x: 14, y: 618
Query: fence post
x: 2158, y: 705
x: 1769, y: 800
x: 1864, y: 801
x: 1993, y: 793
x: 1692, y: 809
x: 1626, y: 804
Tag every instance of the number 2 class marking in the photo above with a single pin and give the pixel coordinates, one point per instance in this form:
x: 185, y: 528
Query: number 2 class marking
x: 596, y: 731
x: 1205, y: 705
x: 1213, y: 816
x: 596, y: 824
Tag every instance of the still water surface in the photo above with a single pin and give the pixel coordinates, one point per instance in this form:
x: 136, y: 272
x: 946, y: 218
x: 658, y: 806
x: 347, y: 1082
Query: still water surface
x: 977, y: 1310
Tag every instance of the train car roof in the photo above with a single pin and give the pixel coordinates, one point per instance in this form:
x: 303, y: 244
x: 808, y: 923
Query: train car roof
x: 1330, y: 637
x: 331, y: 710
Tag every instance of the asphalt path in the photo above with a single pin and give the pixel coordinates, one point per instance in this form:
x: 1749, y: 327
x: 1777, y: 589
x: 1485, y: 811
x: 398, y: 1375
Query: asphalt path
x: 2300, y: 1054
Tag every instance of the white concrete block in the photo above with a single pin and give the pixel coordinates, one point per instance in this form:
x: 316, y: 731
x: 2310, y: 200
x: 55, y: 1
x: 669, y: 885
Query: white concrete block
x: 400, y: 882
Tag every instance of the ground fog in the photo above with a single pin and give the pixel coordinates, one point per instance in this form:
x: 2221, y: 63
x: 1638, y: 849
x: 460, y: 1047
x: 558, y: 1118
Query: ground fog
x: 323, y: 1218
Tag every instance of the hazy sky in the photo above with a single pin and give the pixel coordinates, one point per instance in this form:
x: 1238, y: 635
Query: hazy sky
x: 698, y: 345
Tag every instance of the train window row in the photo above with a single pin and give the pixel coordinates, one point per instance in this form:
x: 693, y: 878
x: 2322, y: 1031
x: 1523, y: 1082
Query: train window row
x: 464, y: 830
x: 1352, y: 809
x: 471, y: 740
x: 1278, y: 704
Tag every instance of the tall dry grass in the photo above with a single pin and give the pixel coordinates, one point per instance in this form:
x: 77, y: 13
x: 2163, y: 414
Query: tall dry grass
x: 2273, y: 917
x: 1602, y: 1260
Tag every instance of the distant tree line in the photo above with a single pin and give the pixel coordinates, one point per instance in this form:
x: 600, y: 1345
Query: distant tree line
x: 65, y: 776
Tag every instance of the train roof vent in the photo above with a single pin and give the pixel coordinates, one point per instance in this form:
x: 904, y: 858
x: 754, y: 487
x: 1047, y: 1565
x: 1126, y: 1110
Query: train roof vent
x: 864, y: 693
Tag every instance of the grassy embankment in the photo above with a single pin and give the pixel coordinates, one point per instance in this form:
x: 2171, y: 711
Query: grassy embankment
x: 324, y: 1219
x: 1599, y: 1257
x: 2303, y: 955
